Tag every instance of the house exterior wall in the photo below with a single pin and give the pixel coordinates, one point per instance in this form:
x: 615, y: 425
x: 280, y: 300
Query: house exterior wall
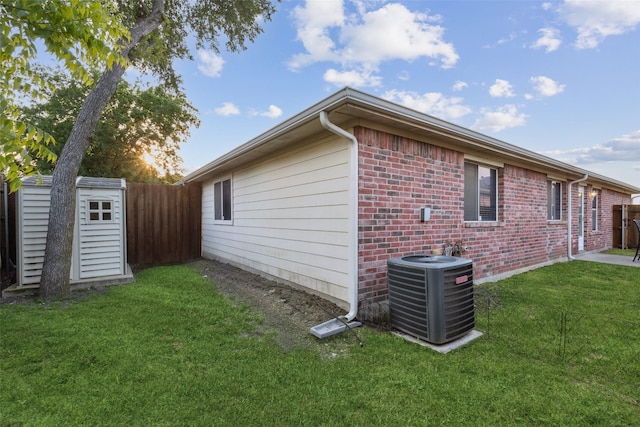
x: 602, y: 237
x: 398, y: 176
x: 290, y: 218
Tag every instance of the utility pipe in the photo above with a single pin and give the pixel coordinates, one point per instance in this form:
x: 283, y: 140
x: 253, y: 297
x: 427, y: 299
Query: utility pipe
x: 584, y: 178
x: 353, y: 181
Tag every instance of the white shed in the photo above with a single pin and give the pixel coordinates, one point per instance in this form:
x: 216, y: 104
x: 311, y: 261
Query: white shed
x: 99, y: 241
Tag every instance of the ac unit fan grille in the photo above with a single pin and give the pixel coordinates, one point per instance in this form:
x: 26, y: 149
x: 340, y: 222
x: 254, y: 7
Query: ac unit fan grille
x: 408, y: 300
x: 458, y: 302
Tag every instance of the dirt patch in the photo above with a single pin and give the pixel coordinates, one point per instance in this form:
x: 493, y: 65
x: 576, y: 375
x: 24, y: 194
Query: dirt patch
x: 287, y: 312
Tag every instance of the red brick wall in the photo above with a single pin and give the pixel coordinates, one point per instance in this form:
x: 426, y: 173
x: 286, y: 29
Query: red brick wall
x: 398, y: 176
x: 602, y: 237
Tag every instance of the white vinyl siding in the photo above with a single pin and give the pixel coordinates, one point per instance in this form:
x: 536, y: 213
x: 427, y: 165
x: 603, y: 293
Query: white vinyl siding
x: 291, y: 218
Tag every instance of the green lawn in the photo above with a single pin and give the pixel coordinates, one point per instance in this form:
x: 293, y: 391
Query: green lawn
x: 170, y: 350
x: 625, y: 252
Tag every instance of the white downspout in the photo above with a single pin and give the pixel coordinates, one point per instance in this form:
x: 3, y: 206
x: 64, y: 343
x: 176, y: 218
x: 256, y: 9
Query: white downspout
x: 353, y: 180
x: 584, y: 178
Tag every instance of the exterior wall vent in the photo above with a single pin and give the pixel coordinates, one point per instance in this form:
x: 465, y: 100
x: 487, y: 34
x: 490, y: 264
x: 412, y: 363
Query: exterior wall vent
x: 431, y: 297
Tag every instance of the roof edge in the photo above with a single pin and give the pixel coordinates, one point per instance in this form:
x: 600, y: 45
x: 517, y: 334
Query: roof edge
x: 349, y: 95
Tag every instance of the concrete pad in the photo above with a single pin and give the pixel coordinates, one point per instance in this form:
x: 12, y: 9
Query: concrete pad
x: 442, y: 348
x: 608, y: 259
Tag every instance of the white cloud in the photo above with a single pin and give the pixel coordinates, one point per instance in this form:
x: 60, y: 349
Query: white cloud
x: 432, y: 103
x: 501, y: 89
x: 351, y: 78
x: 596, y: 20
x: 273, y: 113
x: 313, y: 21
x: 459, y: 85
x: 394, y: 32
x: 550, y: 40
x: 366, y: 38
x: 510, y: 38
x: 227, y: 109
x: 211, y: 64
x: 625, y: 148
x: 503, y: 118
x: 545, y: 86
x: 403, y: 75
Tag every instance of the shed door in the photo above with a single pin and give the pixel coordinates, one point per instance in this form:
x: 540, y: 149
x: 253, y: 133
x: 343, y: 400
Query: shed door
x: 100, y: 238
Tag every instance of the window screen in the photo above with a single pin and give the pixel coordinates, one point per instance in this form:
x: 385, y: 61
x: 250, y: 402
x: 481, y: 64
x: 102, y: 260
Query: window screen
x: 222, y: 202
x: 554, y: 200
x: 480, y: 193
x: 594, y: 213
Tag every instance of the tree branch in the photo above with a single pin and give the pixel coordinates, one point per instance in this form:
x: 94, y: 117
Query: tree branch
x: 144, y: 26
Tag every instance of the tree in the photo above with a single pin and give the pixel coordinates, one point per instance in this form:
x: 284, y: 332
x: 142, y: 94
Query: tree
x: 137, y: 123
x: 78, y: 33
x: 158, y: 33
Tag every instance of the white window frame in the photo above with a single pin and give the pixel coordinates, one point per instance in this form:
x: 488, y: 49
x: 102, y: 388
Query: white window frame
x: 476, y: 207
x: 101, y: 210
x: 554, y: 194
x: 595, y: 204
x: 223, y: 206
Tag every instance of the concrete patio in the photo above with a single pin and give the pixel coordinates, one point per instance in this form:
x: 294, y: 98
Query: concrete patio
x: 608, y: 259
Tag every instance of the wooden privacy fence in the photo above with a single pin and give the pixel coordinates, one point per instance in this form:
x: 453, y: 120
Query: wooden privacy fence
x: 163, y: 223
x: 623, y: 216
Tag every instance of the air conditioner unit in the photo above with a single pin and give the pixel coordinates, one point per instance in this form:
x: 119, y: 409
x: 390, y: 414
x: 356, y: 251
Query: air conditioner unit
x: 431, y: 296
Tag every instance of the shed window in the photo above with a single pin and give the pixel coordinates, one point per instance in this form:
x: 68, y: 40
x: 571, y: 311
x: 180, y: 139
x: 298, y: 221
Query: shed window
x: 222, y: 200
x: 554, y: 201
x: 480, y: 193
x: 100, y: 210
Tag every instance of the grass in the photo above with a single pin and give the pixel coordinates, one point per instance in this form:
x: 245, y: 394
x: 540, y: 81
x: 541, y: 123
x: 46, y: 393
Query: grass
x: 624, y: 252
x: 170, y: 350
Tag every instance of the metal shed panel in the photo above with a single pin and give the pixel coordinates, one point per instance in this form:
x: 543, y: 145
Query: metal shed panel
x: 33, y: 211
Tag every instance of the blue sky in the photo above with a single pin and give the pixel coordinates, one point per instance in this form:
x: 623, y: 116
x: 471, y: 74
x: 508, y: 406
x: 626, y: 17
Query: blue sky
x: 558, y: 78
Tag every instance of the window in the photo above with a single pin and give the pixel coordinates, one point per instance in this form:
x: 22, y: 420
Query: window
x: 222, y: 200
x: 480, y: 193
x: 100, y: 210
x: 554, y: 201
x: 594, y: 212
